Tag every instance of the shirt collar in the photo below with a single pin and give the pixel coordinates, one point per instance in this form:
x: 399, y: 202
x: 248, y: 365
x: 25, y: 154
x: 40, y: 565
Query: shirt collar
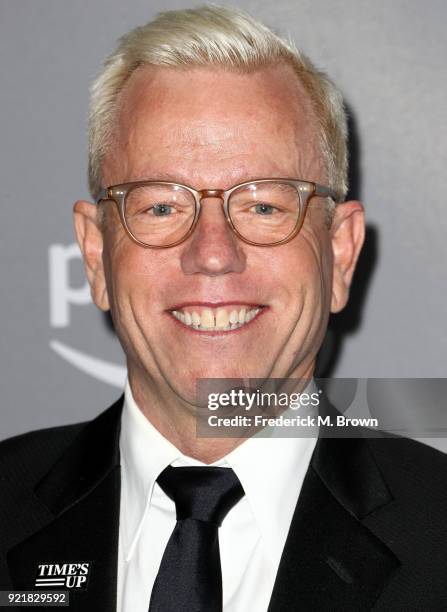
x: 270, y: 469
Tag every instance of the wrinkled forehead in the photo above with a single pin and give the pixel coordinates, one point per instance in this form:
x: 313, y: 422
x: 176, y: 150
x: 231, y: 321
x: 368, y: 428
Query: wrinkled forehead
x: 213, y: 115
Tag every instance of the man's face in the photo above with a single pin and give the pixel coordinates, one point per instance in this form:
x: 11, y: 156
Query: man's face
x: 213, y: 129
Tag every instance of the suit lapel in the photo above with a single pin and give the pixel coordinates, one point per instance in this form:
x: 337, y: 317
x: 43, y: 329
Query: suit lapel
x: 82, y: 495
x: 331, y: 561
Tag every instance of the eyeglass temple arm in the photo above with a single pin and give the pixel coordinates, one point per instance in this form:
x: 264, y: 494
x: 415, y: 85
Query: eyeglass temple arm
x: 102, y: 195
x: 325, y: 192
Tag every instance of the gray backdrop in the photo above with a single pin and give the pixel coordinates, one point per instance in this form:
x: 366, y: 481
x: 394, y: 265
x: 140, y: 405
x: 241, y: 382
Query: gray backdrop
x: 60, y: 362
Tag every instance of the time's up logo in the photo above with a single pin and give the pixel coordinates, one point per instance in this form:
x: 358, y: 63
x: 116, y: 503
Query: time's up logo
x: 62, y: 575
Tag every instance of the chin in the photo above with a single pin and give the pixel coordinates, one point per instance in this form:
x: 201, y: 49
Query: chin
x: 186, y: 384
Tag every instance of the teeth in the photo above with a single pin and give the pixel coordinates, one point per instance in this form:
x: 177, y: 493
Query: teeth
x: 220, y: 319
x: 234, y: 316
x: 207, y: 319
x: 250, y: 315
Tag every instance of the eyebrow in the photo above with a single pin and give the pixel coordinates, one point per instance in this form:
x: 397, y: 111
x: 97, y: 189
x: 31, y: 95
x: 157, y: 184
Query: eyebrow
x: 159, y: 176
x: 171, y: 178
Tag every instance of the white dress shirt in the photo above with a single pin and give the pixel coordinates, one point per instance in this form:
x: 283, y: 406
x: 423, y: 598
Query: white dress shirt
x: 252, y: 536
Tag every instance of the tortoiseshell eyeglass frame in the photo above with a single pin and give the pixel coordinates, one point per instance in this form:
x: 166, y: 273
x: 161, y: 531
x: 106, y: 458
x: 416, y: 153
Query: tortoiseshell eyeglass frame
x: 306, y: 191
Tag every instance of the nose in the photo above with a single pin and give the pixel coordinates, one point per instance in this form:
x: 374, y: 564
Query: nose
x: 213, y: 249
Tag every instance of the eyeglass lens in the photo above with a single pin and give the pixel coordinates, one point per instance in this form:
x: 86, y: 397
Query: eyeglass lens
x: 160, y: 215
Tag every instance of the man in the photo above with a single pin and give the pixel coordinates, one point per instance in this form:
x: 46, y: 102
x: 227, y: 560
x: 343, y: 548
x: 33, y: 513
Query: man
x: 217, y: 155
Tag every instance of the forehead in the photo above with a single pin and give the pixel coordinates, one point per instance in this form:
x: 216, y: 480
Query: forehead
x: 178, y: 120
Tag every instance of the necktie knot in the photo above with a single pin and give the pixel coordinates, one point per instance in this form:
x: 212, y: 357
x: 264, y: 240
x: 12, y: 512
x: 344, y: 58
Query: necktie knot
x: 201, y: 493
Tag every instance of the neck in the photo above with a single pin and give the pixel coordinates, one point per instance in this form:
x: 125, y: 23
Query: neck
x: 176, y: 419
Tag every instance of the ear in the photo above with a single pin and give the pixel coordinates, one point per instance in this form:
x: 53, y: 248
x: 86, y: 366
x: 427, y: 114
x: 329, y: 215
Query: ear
x: 90, y: 240
x: 347, y: 236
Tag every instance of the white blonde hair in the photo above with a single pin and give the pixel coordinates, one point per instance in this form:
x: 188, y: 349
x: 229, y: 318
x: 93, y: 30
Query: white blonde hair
x: 213, y: 36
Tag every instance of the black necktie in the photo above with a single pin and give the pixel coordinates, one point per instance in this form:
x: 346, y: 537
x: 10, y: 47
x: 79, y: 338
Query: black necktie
x: 190, y: 577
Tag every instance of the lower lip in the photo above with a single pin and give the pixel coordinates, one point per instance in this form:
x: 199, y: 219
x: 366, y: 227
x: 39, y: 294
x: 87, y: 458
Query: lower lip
x: 205, y: 332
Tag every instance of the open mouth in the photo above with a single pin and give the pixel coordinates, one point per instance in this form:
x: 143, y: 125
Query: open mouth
x: 221, y: 318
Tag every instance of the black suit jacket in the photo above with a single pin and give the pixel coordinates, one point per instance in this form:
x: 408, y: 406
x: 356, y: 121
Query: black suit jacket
x: 369, y: 530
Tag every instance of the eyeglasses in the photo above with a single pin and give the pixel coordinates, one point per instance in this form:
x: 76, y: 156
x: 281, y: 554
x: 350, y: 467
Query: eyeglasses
x: 265, y: 212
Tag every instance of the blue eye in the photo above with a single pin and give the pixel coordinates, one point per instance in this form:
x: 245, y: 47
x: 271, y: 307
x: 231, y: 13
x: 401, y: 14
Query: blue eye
x: 264, y: 209
x: 161, y: 210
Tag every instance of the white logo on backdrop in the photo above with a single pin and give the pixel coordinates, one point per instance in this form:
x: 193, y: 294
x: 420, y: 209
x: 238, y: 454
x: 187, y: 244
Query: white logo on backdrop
x: 62, y: 297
